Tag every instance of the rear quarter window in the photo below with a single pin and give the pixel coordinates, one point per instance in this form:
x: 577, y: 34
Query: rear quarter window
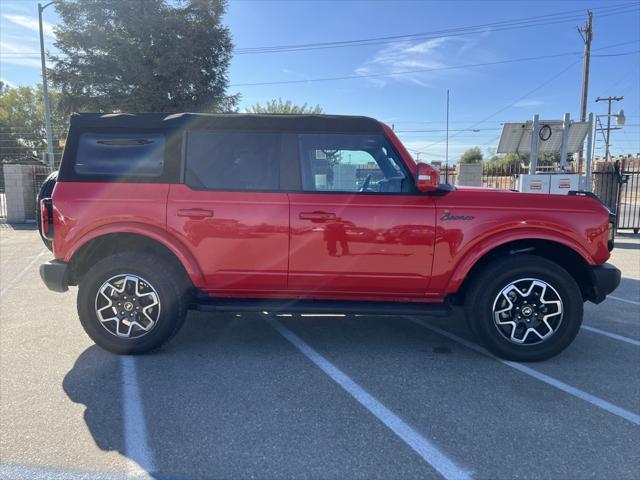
x: 237, y: 161
x: 120, y: 155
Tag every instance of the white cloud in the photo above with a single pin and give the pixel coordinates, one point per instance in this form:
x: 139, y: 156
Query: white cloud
x: 31, y: 23
x: 8, y: 83
x: 528, y: 103
x: 396, y: 58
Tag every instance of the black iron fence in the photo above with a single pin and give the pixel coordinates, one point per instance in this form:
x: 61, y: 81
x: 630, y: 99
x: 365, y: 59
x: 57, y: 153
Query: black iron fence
x: 629, y: 197
x: 502, y: 177
x: 3, y: 198
x: 617, y: 184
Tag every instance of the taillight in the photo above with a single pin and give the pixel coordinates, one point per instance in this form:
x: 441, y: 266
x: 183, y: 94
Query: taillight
x: 46, y: 218
x: 612, y: 231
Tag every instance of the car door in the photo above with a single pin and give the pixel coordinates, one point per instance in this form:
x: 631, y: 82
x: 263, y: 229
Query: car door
x: 229, y: 211
x: 358, y: 227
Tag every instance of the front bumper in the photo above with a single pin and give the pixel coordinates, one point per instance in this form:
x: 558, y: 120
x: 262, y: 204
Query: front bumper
x: 605, y: 279
x: 54, y: 275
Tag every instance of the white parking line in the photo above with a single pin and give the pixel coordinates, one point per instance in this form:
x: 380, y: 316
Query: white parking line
x: 136, y: 445
x: 19, y: 276
x: 632, y: 302
x: 576, y: 392
x: 32, y: 472
x: 622, y: 338
x: 422, y: 446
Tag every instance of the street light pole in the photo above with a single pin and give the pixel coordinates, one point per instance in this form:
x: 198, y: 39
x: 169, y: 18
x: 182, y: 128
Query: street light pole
x: 45, y: 90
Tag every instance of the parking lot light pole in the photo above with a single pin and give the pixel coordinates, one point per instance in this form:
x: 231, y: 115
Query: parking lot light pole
x: 45, y: 90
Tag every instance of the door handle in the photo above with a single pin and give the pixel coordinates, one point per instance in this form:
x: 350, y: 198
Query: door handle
x: 317, y: 216
x: 195, y: 213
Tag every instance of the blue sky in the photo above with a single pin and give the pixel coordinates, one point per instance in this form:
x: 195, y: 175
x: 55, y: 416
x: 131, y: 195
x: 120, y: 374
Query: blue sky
x: 481, y: 97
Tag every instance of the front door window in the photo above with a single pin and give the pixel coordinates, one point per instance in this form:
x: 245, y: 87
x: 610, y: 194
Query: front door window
x: 350, y: 163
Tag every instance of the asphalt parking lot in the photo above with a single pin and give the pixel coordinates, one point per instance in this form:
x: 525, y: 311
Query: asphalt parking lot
x: 261, y: 396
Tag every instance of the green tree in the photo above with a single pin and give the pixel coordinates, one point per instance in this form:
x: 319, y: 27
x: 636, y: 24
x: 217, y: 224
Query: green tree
x: 473, y: 155
x: 22, y: 135
x: 143, y: 55
x: 509, y: 164
x: 283, y: 107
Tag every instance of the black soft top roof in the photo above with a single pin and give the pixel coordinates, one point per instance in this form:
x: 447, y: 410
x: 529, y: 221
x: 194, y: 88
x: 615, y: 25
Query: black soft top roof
x: 228, y: 121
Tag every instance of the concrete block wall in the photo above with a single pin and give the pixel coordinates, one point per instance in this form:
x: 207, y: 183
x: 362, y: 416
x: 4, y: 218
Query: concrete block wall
x: 19, y: 193
x: 469, y: 175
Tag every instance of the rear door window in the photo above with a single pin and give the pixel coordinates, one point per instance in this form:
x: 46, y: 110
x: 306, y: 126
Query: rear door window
x: 120, y: 154
x: 233, y: 160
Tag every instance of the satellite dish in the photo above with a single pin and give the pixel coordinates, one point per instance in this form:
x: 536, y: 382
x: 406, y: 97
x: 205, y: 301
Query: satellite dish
x: 620, y: 118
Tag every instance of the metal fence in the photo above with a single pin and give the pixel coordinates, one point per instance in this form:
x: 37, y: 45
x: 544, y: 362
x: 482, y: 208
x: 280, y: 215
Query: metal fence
x: 617, y: 184
x: 3, y: 198
x: 40, y: 174
x: 502, y: 177
x: 629, y: 196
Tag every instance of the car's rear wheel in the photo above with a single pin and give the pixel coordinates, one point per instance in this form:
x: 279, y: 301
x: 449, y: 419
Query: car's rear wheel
x: 524, y: 307
x: 132, y: 303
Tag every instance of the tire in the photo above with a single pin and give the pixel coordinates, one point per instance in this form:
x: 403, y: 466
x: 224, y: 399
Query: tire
x: 155, y: 280
x: 526, y: 289
x: 45, y: 192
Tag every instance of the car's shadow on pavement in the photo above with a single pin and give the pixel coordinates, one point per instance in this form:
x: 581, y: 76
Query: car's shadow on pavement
x: 95, y: 381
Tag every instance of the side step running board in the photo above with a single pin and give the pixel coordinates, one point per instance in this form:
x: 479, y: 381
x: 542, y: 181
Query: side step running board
x: 321, y: 306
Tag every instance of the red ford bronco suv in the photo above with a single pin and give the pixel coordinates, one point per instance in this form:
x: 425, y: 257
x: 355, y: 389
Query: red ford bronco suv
x: 153, y: 214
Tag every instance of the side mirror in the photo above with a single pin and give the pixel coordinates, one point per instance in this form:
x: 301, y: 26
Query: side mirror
x: 427, y: 178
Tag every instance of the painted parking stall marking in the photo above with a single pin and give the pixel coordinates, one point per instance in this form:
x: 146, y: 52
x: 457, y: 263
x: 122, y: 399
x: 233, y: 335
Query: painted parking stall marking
x: 622, y: 338
x: 429, y: 452
x: 576, y: 392
x: 19, y: 276
x: 136, y: 442
x: 625, y: 300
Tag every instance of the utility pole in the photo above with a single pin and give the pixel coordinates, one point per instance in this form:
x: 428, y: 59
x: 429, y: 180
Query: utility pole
x: 609, y: 128
x: 45, y: 90
x: 587, y: 30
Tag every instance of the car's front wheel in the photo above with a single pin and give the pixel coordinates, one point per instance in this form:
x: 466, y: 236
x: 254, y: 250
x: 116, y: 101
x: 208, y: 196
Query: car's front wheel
x: 525, y: 307
x: 132, y: 302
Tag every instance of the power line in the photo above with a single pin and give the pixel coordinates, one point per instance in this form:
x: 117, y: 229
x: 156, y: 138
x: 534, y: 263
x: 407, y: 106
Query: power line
x: 616, y: 54
x: 443, y: 130
x: 424, y: 70
x: 542, y: 85
x: 540, y: 20
x: 526, y: 22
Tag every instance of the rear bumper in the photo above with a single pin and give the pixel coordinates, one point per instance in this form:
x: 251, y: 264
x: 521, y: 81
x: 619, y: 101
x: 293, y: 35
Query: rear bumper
x: 605, y: 279
x: 54, y: 275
